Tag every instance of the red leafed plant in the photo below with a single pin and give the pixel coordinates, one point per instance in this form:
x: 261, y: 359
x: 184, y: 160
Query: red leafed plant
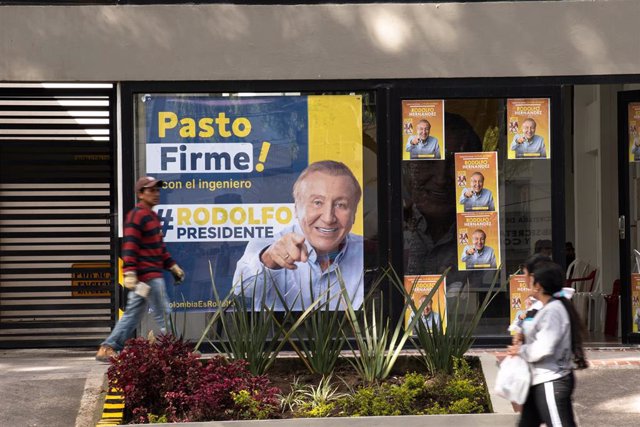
x: 164, y: 377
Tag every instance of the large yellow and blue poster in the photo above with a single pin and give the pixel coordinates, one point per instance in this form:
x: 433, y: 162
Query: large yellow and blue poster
x: 229, y: 166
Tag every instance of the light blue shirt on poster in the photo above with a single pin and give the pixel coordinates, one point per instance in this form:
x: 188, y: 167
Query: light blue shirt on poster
x: 635, y: 150
x: 486, y: 257
x: 430, y: 321
x: 428, y: 149
x: 294, y: 285
x: 482, y: 201
x: 535, y: 146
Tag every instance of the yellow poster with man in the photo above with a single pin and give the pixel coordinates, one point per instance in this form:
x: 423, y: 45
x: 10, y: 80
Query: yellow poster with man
x: 529, y: 128
x: 634, y: 131
x: 477, y: 182
x: 520, y: 301
x: 478, y: 241
x: 635, y: 301
x: 434, y: 312
x: 423, y: 129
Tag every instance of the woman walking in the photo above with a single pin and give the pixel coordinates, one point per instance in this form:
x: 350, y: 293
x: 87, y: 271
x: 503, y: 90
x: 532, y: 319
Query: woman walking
x: 552, y: 344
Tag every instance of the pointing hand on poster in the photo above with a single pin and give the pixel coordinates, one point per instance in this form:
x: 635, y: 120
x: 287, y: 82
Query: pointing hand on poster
x: 471, y: 251
x: 313, y: 248
x: 285, y: 252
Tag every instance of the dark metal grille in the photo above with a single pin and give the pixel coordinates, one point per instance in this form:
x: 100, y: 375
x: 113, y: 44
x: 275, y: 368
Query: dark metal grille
x: 56, y: 197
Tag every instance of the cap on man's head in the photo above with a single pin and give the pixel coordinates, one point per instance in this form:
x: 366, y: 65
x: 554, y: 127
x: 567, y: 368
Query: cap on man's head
x: 147, y: 182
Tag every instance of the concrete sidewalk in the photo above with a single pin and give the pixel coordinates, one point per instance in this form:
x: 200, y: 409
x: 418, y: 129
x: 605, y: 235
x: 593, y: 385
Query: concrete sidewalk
x: 65, y: 388
x: 51, y: 387
x: 608, y: 393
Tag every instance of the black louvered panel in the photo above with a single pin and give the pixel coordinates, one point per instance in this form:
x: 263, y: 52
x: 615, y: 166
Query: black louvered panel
x: 56, y: 195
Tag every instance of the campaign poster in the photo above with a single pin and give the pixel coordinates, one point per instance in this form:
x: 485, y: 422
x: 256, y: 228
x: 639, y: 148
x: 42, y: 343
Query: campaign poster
x: 434, y: 313
x: 519, y: 293
x: 423, y: 129
x: 478, y: 241
x: 529, y: 128
x: 635, y: 301
x: 477, y: 182
x: 634, y: 131
x: 229, y: 165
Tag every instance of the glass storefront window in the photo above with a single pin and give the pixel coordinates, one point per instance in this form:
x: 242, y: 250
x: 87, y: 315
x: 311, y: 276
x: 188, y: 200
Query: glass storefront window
x: 430, y: 222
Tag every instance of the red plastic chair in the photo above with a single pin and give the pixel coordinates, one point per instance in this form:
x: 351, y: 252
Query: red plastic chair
x: 583, y: 284
x: 611, y: 317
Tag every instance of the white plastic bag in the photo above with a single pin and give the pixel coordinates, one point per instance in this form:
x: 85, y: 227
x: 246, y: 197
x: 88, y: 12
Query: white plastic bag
x: 514, y: 379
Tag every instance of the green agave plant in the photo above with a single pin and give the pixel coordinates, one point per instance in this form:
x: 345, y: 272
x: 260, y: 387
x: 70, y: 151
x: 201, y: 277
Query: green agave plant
x: 319, y: 339
x: 441, y: 346
x: 254, y: 334
x: 377, y: 344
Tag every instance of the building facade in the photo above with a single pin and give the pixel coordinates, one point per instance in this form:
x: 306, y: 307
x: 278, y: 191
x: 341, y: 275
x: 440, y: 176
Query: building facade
x: 579, y: 58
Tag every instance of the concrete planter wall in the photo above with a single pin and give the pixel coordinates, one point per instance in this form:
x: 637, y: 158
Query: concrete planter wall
x: 503, y: 414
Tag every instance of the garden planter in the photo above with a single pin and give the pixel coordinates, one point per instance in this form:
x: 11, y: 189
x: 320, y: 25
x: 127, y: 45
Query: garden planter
x: 502, y: 415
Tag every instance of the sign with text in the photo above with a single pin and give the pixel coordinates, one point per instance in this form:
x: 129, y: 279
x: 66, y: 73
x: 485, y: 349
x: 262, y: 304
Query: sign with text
x: 434, y: 311
x: 229, y: 165
x: 88, y: 276
x: 478, y: 241
x: 529, y: 128
x: 520, y: 302
x: 423, y: 129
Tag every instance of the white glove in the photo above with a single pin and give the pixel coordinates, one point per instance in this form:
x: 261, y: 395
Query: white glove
x: 130, y: 280
x: 178, y: 273
x: 143, y: 289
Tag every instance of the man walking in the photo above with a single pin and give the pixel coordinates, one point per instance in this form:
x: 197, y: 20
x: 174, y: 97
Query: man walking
x: 145, y: 256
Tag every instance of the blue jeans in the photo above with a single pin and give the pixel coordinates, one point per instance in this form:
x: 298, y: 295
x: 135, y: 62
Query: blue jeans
x: 136, y: 307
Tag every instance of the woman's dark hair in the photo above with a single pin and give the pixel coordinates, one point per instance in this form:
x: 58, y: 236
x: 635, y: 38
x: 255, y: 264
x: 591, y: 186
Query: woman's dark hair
x: 534, y: 261
x: 550, y: 277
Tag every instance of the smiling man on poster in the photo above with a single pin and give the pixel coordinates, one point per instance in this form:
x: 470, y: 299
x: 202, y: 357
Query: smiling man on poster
x: 477, y: 255
x: 303, y: 260
x: 477, y: 197
x: 423, y: 145
x: 528, y: 144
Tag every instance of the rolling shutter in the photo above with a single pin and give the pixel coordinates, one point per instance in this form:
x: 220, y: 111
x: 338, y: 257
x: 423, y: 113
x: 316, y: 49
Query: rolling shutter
x: 56, y: 198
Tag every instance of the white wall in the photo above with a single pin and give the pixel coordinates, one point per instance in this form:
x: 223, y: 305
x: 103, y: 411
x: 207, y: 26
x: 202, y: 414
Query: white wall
x: 596, y: 179
x: 350, y: 41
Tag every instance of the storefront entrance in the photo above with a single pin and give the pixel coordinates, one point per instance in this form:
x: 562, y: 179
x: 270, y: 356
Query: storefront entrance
x: 56, y: 195
x: 629, y: 196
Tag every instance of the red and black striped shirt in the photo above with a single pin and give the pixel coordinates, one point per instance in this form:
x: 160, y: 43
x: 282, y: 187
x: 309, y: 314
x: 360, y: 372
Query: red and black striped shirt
x: 143, y: 249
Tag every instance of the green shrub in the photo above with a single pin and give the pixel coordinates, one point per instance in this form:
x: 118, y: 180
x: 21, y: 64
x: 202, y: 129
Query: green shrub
x: 249, y: 406
x: 317, y: 411
x: 387, y: 399
x: 157, y: 419
x: 435, y: 409
x: 464, y: 406
x: 416, y: 394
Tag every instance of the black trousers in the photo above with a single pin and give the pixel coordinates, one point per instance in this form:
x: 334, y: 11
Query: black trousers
x: 550, y: 403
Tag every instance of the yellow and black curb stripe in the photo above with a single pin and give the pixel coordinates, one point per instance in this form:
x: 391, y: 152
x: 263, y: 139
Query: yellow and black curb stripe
x: 113, y: 409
